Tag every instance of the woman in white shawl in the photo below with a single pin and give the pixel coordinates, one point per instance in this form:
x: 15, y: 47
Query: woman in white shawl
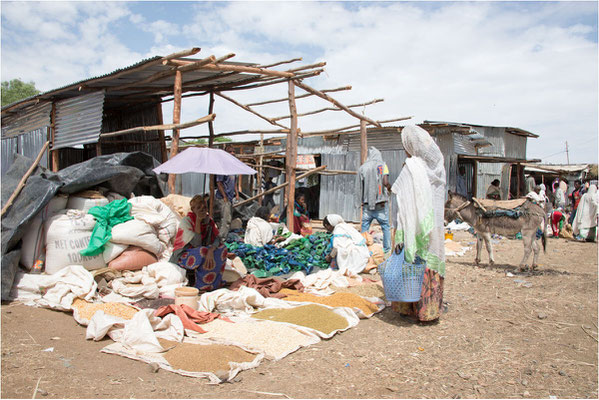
x: 585, y: 221
x: 349, y: 247
x: 420, y: 191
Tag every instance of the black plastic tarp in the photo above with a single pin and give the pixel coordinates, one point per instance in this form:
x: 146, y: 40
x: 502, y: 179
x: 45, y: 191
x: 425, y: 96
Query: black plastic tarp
x: 123, y: 173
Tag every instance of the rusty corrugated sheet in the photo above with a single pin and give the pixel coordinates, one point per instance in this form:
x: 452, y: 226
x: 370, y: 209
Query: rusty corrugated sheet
x: 27, y: 120
x: 78, y: 120
x: 9, y: 149
x: 27, y: 144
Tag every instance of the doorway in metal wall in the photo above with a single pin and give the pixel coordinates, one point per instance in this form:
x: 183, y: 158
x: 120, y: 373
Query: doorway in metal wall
x: 470, y: 170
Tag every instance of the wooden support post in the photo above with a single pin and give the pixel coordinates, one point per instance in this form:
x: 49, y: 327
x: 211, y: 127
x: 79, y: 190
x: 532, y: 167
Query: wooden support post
x: 163, y: 153
x: 363, y: 143
x: 98, y: 148
x: 55, y: 159
x: 291, y: 159
x: 260, y: 161
x: 212, y: 184
x: 176, y: 120
x: 519, y: 179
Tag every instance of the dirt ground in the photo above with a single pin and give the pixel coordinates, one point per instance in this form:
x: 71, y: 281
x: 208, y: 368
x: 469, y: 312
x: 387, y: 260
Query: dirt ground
x: 524, y: 336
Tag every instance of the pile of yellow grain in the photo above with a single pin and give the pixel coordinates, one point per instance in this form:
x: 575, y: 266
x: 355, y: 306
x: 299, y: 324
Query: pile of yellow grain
x: 311, y: 316
x: 204, y: 358
x: 86, y: 309
x: 364, y: 290
x: 339, y: 299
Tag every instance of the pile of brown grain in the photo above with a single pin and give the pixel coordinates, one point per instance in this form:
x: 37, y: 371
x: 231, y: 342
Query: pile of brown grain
x: 213, y: 358
x: 312, y: 316
x: 338, y: 299
x: 87, y: 310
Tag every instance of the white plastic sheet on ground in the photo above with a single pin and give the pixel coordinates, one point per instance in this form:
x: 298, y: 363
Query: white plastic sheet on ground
x: 454, y: 248
x: 462, y: 226
x: 320, y: 282
x: 56, y: 291
x: 150, y: 357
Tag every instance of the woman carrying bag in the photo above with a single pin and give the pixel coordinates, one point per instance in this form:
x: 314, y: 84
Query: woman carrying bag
x: 420, y: 193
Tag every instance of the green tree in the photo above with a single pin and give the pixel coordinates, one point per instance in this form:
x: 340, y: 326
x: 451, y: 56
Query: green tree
x: 16, y: 90
x: 220, y: 139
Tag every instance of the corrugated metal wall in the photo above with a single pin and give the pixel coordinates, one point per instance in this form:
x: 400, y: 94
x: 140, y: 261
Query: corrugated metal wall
x: 495, y: 135
x: 119, y: 119
x: 389, y: 140
x: 487, y: 172
x: 27, y: 144
x: 191, y: 184
x: 78, y: 120
x: 27, y: 120
x: 515, y: 146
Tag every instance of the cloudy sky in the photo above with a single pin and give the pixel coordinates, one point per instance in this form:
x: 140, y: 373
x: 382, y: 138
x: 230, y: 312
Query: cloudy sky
x: 531, y: 65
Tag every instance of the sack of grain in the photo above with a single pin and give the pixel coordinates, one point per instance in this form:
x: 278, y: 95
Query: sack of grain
x: 179, y: 204
x: 156, y: 214
x: 86, y: 199
x: 67, y: 233
x: 132, y: 259
x: 137, y: 233
x: 34, y: 240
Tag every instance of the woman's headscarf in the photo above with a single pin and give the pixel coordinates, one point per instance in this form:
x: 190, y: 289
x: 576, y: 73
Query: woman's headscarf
x: 586, y: 213
x: 420, y: 192
x: 334, y: 219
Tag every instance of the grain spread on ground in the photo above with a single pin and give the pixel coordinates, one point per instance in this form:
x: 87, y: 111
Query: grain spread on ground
x: 312, y: 316
x: 364, y: 290
x: 204, y: 358
x: 86, y: 309
x: 276, y: 340
x: 338, y: 299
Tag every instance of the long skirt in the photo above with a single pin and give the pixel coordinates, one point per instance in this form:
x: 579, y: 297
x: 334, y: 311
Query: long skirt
x: 431, y: 300
x: 203, y: 278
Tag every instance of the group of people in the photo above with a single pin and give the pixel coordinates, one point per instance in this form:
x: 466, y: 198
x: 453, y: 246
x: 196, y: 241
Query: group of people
x: 583, y: 204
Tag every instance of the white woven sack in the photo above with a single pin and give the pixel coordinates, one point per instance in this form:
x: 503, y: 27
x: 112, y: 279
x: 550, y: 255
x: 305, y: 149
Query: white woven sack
x: 84, y: 203
x: 155, y: 213
x: 137, y: 233
x: 67, y: 233
x: 34, y: 240
x: 112, y: 251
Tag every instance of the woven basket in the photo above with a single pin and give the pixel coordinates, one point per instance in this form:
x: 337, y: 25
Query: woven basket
x: 402, y: 281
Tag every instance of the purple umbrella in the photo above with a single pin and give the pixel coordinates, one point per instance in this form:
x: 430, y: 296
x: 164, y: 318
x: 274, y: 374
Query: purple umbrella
x: 204, y: 160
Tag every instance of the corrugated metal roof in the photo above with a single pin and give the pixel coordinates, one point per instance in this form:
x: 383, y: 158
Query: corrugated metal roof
x: 508, y: 129
x: 78, y: 120
x: 568, y: 168
x: 34, y: 117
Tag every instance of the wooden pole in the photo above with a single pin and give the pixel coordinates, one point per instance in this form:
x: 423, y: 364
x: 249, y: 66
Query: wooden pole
x: 335, y: 102
x: 55, y: 158
x: 176, y: 121
x: 212, y: 184
x: 270, y: 121
x: 24, y: 178
x: 328, y: 109
x: 260, y: 161
x: 163, y: 153
x: 250, y: 70
x: 291, y: 153
x: 281, y: 62
x: 363, y: 143
x: 282, y: 185
x: 177, y: 127
x: 340, y: 131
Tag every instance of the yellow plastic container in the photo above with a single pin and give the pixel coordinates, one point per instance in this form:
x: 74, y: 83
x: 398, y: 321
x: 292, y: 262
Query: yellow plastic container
x: 449, y: 236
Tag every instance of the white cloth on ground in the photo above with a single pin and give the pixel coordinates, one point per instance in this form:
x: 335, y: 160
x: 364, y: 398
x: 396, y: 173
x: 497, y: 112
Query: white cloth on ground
x: 320, y: 282
x: 161, y: 278
x: 56, y: 291
x: 242, y: 301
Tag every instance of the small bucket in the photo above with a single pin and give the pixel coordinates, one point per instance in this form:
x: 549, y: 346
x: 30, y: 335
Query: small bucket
x: 188, y: 296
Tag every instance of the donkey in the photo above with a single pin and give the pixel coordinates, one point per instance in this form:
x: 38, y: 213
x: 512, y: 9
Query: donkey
x: 458, y: 206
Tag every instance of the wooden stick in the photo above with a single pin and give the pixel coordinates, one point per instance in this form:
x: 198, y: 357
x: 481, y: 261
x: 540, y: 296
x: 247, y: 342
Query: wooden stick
x: 212, y: 183
x: 185, y: 63
x: 340, y: 130
x: 282, y: 185
x: 250, y: 70
x: 273, y: 82
x: 54, y: 152
x: 363, y: 142
x: 291, y: 159
x: 37, y: 385
x: 176, y: 121
x: 297, y: 97
x: 250, y: 110
x: 280, y: 62
x: 258, y: 154
x: 305, y: 67
x: 24, y: 178
x: 335, y: 102
x: 184, y: 125
x: 183, y: 53
x: 585, y: 331
x: 329, y: 109
x: 197, y: 64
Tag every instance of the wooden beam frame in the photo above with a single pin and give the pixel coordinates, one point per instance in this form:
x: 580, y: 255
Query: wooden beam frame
x: 177, y: 127
x: 329, y: 109
x: 176, y: 121
x: 291, y: 159
x: 335, y: 102
x: 298, y: 97
x: 340, y: 131
x: 270, y: 121
x: 281, y: 62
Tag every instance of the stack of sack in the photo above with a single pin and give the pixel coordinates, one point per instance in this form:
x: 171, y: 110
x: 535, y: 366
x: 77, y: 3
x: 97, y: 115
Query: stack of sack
x: 64, y: 228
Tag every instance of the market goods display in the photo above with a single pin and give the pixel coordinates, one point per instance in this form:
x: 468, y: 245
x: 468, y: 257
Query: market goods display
x: 338, y: 299
x: 85, y: 310
x: 311, y: 316
x: 274, y: 339
x: 204, y: 358
x: 364, y: 290
x: 302, y: 254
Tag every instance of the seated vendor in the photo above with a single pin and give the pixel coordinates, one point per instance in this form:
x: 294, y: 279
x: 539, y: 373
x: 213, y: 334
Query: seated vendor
x: 198, y: 249
x: 349, y: 251
x: 259, y: 231
x: 301, y: 219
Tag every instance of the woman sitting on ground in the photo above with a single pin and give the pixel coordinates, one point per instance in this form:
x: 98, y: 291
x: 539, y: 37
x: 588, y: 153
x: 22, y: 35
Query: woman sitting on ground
x: 198, y: 249
x: 350, y: 253
x: 301, y: 219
